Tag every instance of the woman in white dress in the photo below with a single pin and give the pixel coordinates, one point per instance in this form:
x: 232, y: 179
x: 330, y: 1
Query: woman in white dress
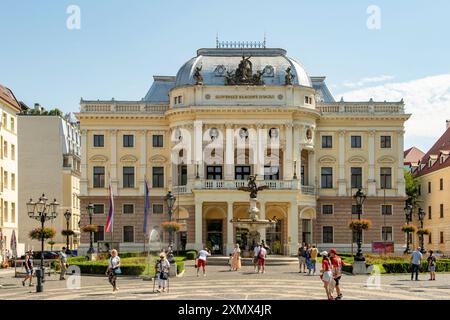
x: 162, y: 271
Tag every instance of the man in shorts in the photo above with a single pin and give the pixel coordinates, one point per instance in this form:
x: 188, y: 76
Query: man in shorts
x: 255, y: 256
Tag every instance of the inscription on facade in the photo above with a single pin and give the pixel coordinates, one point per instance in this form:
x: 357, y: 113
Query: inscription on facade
x: 245, y: 97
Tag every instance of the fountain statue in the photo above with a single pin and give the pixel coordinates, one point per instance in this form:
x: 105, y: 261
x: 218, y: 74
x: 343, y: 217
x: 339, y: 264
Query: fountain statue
x: 253, y: 223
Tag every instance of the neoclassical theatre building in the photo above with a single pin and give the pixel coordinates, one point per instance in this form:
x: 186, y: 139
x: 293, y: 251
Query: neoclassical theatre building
x: 231, y: 112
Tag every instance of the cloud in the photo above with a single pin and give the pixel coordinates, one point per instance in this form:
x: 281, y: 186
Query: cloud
x: 427, y: 99
x: 368, y: 80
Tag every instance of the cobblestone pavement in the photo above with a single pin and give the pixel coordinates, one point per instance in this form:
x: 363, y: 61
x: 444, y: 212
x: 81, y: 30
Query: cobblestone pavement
x: 279, y: 282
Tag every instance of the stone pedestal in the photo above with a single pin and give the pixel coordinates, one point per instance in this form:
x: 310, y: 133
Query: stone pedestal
x: 92, y: 256
x: 173, y: 270
x: 359, y: 267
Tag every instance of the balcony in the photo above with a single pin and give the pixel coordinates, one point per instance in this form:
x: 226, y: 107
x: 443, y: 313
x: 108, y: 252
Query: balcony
x: 235, y: 184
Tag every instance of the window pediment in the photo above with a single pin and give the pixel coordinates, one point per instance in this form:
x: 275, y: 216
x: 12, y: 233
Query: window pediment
x: 357, y: 159
x: 327, y: 159
x: 98, y: 158
x: 158, y: 159
x: 128, y: 158
x: 386, y: 159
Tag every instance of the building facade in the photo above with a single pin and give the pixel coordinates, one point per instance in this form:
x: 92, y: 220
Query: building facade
x: 49, y: 158
x: 433, y: 175
x: 9, y: 107
x: 223, y: 117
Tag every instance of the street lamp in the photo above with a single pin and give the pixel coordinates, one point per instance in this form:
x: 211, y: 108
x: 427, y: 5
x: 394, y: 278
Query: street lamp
x: 170, y: 200
x: 359, y: 197
x: 67, y: 215
x: 42, y: 211
x: 90, y: 210
x: 421, y: 215
x: 408, y: 215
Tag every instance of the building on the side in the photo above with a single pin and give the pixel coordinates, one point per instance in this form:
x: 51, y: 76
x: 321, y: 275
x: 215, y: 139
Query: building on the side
x: 49, y: 159
x: 9, y: 222
x: 224, y: 116
x: 412, y: 157
x: 433, y: 175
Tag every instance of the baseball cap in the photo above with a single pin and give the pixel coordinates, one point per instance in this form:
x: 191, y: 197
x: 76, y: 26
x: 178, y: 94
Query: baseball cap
x: 333, y: 251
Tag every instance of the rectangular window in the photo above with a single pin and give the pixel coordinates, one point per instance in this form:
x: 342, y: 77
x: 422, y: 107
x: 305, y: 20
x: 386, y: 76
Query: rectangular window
x: 441, y: 184
x: 241, y: 172
x: 441, y: 237
x: 13, y: 181
x: 99, y: 208
x: 386, y: 233
x: 5, y: 149
x: 13, y: 152
x: 356, y: 141
x: 356, y: 177
x: 128, y: 208
x: 302, y: 174
x: 99, y: 140
x: 182, y: 175
x: 327, y: 209
x: 158, y: 141
x: 419, y: 191
x: 271, y: 172
x: 430, y: 240
x: 5, y: 120
x: 100, y: 234
x: 157, y: 208
x: 327, y: 142
x: 326, y: 178
x: 99, y: 177
x: 214, y: 172
x: 158, y: 177
x: 128, y: 177
x: 386, y: 209
x: 385, y: 178
x: 5, y: 179
x: 441, y: 210
x: 429, y: 186
x: 327, y: 234
x: 13, y: 126
x: 128, y: 234
x: 128, y: 140
x: 6, y: 211
x: 13, y: 211
x: 429, y: 212
x: 385, y: 141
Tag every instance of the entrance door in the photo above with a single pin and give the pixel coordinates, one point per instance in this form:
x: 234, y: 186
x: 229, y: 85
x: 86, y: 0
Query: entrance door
x: 214, y: 238
x: 273, y: 238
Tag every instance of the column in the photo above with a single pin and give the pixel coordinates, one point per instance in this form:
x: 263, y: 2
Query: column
x: 229, y: 152
x: 297, y: 152
x: 84, y: 162
x: 262, y: 216
x: 371, y: 182
x: 400, y: 177
x: 342, y: 188
x: 230, y: 229
x: 293, y: 228
x: 113, y: 168
x: 143, y: 162
x: 287, y: 157
x: 311, y: 168
x: 198, y: 225
x: 198, y: 142
x: 260, y: 148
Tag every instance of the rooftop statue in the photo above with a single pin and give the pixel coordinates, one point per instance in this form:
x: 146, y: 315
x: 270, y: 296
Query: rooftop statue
x: 243, y: 75
x: 198, y: 76
x: 289, y: 77
x: 252, y: 187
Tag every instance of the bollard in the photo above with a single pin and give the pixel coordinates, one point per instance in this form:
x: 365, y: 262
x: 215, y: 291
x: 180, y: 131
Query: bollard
x: 39, y: 286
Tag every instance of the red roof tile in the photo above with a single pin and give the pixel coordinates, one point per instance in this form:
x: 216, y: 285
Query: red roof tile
x: 443, y: 144
x: 412, y: 155
x: 8, y: 96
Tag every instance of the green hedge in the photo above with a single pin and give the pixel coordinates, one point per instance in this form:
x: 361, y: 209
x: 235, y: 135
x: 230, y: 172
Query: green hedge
x: 180, y: 266
x: 405, y: 267
x: 191, y: 255
x: 99, y: 267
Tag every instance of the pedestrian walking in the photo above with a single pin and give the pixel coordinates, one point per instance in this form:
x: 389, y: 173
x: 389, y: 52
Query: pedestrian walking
x: 432, y: 265
x: 313, y: 259
x: 336, y: 267
x: 416, y: 258
x: 262, y: 259
x: 162, y: 272
x: 255, y: 256
x: 230, y: 261
x: 308, y: 258
x: 114, y: 269
x: 326, y: 274
x: 63, y: 265
x: 236, y: 258
x: 201, y: 260
x: 302, y: 258
x: 28, y: 268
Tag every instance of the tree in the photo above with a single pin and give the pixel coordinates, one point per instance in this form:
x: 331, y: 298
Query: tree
x: 412, y: 188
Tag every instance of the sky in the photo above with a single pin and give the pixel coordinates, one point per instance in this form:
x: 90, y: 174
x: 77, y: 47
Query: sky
x: 386, y: 50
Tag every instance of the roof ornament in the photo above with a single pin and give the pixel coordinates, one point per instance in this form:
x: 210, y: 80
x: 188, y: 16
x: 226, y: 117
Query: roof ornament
x: 289, y: 77
x: 240, y: 44
x: 198, y: 76
x: 243, y: 75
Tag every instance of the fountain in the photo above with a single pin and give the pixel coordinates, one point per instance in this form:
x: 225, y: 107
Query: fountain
x: 154, y: 248
x: 253, y: 223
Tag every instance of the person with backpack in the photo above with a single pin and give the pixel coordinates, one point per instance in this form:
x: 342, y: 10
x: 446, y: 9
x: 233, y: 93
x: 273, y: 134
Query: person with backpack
x: 302, y: 258
x: 336, y: 267
x: 201, y: 260
x: 262, y: 259
x: 432, y: 265
x: 28, y: 268
x: 113, y: 269
x: 313, y: 259
x: 162, y: 271
x: 326, y: 274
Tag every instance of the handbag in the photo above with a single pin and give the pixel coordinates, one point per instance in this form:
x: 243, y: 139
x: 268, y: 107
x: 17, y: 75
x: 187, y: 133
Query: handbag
x: 117, y: 271
x: 163, y: 276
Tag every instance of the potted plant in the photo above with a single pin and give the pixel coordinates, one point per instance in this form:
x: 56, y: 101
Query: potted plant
x: 42, y: 233
x: 422, y: 232
x: 66, y: 233
x: 90, y: 228
x: 409, y: 228
x: 362, y: 224
x: 171, y: 226
x: 51, y: 243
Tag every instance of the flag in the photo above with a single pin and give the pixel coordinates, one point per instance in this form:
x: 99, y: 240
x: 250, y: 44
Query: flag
x: 14, y: 243
x: 110, y: 220
x: 147, y: 205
